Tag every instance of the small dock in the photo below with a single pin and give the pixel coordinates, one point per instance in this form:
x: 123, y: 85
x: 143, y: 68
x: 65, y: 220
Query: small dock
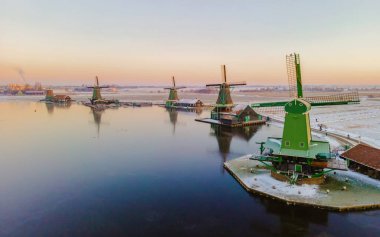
x: 342, y: 191
x: 218, y: 122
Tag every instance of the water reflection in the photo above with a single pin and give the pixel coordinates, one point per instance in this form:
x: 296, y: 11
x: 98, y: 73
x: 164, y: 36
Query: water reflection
x: 142, y: 183
x: 50, y: 106
x: 173, y: 116
x: 224, y: 137
x: 97, y: 118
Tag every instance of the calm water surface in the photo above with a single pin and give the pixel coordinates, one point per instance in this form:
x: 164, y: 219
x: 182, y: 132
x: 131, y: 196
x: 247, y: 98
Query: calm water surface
x: 69, y: 171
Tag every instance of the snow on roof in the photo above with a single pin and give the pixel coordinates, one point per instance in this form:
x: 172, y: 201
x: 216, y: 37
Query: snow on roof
x: 239, y: 107
x: 187, y: 101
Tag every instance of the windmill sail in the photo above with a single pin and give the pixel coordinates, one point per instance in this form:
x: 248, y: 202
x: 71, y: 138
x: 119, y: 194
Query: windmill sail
x: 224, y: 74
x: 296, y: 91
x: 293, y: 81
x: 336, y: 99
x: 173, y: 95
x: 224, y: 95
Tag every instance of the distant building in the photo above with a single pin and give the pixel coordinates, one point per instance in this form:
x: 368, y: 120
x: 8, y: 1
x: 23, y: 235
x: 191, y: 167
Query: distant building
x: 33, y: 92
x: 61, y: 99
x: 191, y: 103
x: 50, y: 97
x: 364, y: 159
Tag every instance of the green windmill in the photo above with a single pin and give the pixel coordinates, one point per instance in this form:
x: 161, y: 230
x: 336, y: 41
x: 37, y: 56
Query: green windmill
x: 296, y: 156
x: 224, y: 102
x: 96, y: 96
x: 173, y: 95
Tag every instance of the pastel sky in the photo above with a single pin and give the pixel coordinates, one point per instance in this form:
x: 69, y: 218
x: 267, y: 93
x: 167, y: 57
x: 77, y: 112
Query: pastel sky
x: 146, y: 42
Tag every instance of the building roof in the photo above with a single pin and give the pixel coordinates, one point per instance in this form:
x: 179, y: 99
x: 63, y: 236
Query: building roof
x: 62, y: 97
x: 236, y: 110
x: 187, y: 101
x: 364, y: 155
x: 239, y: 107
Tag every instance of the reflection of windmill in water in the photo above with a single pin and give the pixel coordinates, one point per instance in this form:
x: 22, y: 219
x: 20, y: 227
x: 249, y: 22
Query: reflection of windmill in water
x: 224, y: 137
x: 50, y: 108
x: 173, y: 116
x: 97, y: 118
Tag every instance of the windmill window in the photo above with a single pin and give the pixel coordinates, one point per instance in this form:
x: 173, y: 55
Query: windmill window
x: 302, y: 144
x: 287, y: 143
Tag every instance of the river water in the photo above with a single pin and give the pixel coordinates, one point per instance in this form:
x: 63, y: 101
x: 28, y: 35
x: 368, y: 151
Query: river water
x: 71, y: 171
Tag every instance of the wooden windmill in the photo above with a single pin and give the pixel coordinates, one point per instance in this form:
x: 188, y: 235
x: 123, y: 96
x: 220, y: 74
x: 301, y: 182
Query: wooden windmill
x: 296, y: 156
x: 224, y: 96
x: 224, y: 102
x: 173, y: 95
x: 96, y: 96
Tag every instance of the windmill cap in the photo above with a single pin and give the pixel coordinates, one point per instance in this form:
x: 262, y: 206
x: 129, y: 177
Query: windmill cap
x: 297, y: 106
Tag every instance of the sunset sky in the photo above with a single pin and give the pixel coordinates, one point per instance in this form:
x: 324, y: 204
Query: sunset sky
x: 146, y: 42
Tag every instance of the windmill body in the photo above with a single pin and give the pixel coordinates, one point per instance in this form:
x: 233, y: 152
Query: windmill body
x: 225, y: 112
x: 173, y: 94
x: 97, y: 98
x: 173, y: 101
x: 296, y: 157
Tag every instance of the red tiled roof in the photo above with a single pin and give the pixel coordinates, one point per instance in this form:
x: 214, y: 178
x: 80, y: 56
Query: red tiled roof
x: 365, y: 155
x: 62, y: 97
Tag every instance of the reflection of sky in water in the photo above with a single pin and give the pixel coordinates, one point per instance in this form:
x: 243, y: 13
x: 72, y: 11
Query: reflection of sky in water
x: 127, y: 171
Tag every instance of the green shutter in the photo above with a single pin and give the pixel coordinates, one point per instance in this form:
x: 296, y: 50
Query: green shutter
x: 298, y: 168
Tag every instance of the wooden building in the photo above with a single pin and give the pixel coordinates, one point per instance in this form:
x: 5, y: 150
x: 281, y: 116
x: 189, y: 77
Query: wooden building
x: 364, y: 159
x: 61, y: 99
x: 50, y: 97
x: 188, y: 103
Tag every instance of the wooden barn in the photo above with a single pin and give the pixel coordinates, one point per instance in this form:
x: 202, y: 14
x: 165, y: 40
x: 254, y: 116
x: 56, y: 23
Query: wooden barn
x: 364, y: 159
x: 61, y: 99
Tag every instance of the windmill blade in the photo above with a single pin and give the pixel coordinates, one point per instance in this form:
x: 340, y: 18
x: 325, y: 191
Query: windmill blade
x: 292, y: 75
x: 224, y: 74
x: 276, y: 112
x: 181, y: 87
x: 240, y: 83
x: 173, y: 81
x: 293, y: 66
x: 336, y: 99
x: 216, y: 84
x: 96, y: 81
